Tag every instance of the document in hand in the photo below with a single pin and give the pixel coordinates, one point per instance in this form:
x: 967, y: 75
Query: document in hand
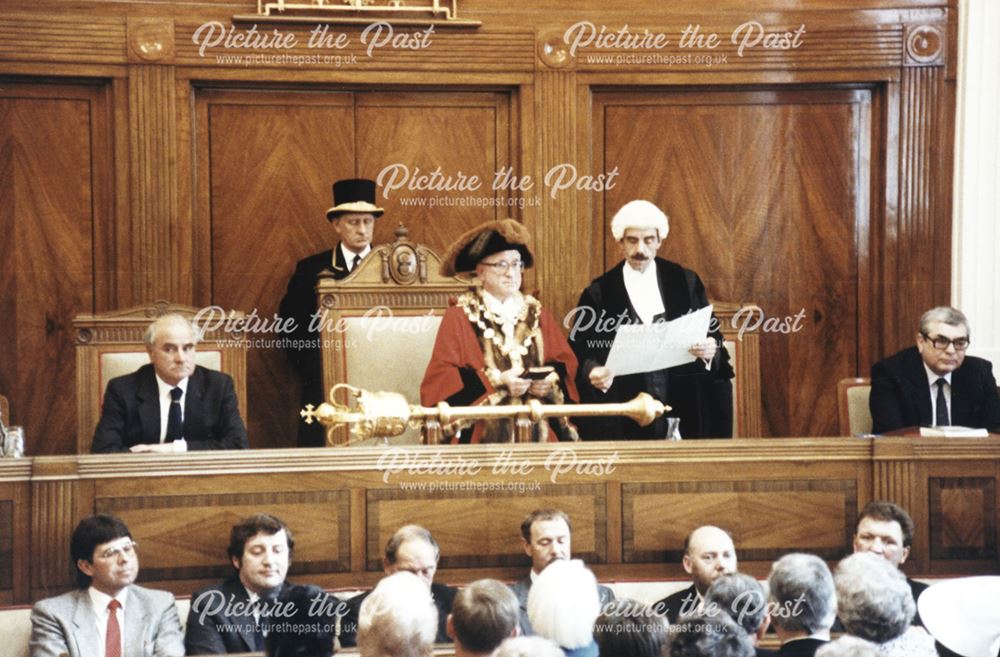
x: 650, y: 347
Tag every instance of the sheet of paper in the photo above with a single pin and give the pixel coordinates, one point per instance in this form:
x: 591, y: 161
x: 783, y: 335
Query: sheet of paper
x: 650, y: 347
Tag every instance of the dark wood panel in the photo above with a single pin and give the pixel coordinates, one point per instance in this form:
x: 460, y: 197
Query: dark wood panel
x: 963, y: 518
x: 757, y: 183
x: 51, y: 139
x: 271, y: 160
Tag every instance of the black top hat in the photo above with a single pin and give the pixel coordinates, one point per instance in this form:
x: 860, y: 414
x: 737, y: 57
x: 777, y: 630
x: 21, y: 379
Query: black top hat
x: 354, y: 195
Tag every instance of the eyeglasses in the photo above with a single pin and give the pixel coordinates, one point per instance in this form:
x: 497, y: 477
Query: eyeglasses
x: 503, y: 266
x: 128, y: 549
x: 940, y: 342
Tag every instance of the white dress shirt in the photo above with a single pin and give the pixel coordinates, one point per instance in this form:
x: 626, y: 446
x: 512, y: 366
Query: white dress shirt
x: 163, y: 390
x: 100, y: 601
x: 349, y: 255
x: 932, y: 378
x: 643, y: 290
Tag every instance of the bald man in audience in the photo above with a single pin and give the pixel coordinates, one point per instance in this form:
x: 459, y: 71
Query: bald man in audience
x: 411, y: 549
x: 483, y: 615
x: 547, y: 537
x: 709, y: 553
x: 170, y: 404
x: 886, y: 529
x: 803, y: 603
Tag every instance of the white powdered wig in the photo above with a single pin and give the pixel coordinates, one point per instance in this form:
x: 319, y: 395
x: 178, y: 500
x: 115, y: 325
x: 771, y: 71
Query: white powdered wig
x: 563, y: 604
x: 641, y: 215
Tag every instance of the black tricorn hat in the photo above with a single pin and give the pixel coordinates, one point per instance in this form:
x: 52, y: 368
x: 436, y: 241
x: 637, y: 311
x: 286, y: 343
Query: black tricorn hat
x: 484, y: 240
x: 354, y: 195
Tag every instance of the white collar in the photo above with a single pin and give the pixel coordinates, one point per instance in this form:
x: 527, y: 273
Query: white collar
x: 100, y: 600
x: 932, y: 377
x: 349, y: 255
x: 507, y: 310
x: 164, y: 388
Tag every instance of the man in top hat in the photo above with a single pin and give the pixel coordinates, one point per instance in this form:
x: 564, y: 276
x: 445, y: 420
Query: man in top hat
x: 644, y: 288
x: 497, y: 345
x: 353, y: 218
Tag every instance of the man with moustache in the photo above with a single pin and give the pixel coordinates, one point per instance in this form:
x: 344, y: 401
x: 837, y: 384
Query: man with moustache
x: 644, y: 288
x: 935, y: 383
x: 353, y: 218
x: 232, y: 616
x: 171, y: 404
x: 108, y: 616
x: 709, y: 553
x: 547, y: 537
x: 411, y: 549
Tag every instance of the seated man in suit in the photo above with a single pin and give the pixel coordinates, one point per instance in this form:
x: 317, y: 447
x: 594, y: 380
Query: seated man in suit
x: 483, y: 615
x: 803, y: 603
x: 108, y: 616
x: 227, y: 617
x: 170, y: 405
x: 887, y: 530
x: 935, y: 383
x: 353, y: 218
x: 411, y: 549
x: 547, y: 537
x: 709, y: 553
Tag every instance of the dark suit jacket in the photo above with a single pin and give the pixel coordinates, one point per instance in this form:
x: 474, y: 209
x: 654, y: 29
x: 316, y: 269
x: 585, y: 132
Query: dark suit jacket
x: 672, y: 605
x: 131, y: 412
x: 66, y: 625
x: 702, y: 399
x: 916, y: 588
x: 443, y: 596
x: 901, y: 395
x: 522, y: 588
x: 222, y: 632
x: 801, y: 648
x: 299, y: 303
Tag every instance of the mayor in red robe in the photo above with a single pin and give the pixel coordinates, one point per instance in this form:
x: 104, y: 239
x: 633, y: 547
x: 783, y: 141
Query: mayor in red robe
x: 497, y: 345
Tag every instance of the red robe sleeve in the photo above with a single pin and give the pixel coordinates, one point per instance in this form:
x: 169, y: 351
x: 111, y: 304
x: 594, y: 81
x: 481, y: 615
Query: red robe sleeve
x: 559, y: 355
x: 456, y: 373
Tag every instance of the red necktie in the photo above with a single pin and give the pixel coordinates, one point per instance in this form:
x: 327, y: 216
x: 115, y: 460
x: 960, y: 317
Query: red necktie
x: 113, y: 637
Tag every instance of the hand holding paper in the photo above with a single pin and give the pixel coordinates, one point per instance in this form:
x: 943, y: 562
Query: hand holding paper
x: 649, y: 347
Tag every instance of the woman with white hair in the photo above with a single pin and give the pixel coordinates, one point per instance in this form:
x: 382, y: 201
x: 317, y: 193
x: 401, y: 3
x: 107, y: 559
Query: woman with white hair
x: 563, y: 605
x: 876, y: 604
x: 398, y: 619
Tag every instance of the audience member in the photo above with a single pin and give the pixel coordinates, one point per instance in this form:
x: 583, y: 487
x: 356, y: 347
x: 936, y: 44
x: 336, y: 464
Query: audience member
x: 709, y: 553
x: 803, y: 603
x: 228, y: 617
x: 353, y: 218
x: 497, y: 346
x: 528, y: 646
x: 849, y: 646
x: 627, y: 628
x: 171, y: 404
x: 483, y: 615
x: 547, y: 537
x: 108, y: 614
x: 563, y: 605
x: 964, y: 616
x: 935, y: 383
x: 411, y: 549
x: 743, y: 599
x: 708, y: 635
x: 875, y: 604
x: 307, y: 624
x: 886, y: 529
x: 646, y: 289
x: 398, y: 618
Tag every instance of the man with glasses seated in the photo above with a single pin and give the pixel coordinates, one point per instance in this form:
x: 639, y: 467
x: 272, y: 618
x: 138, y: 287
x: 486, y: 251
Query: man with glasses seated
x: 497, y: 346
x: 108, y: 616
x: 935, y: 382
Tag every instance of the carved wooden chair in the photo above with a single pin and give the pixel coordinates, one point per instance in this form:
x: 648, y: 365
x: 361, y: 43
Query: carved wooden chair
x: 112, y: 344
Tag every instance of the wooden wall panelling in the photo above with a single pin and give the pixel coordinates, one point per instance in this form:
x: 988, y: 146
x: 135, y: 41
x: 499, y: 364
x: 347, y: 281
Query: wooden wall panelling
x: 756, y: 182
x: 465, y: 133
x: 55, y: 175
x: 59, y: 500
x: 15, y: 523
x: 153, y: 183
x: 269, y: 158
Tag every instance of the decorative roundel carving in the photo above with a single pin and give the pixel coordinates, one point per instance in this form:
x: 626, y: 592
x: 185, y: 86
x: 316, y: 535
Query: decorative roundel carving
x: 925, y: 44
x: 327, y: 301
x: 153, y: 40
x: 403, y: 264
x: 553, y: 50
x: 83, y: 336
